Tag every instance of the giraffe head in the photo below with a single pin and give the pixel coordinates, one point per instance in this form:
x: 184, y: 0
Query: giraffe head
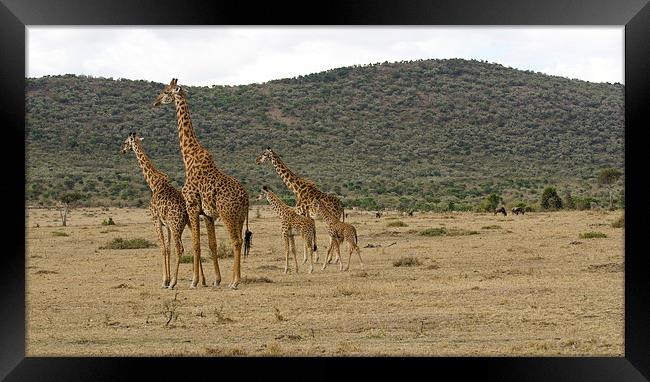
x: 266, y: 155
x: 263, y: 193
x: 169, y: 93
x: 129, y: 142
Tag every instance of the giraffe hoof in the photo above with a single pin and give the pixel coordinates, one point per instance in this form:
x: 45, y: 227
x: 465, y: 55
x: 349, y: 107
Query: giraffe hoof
x: 233, y: 286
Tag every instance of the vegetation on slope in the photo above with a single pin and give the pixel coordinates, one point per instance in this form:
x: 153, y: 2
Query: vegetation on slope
x: 428, y: 134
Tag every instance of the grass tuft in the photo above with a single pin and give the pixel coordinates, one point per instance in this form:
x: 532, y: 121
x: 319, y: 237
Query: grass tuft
x: 407, y: 261
x: 434, y: 232
x: 494, y: 226
x: 398, y: 223
x: 59, y: 233
x: 135, y: 243
x: 592, y: 235
x: 620, y: 223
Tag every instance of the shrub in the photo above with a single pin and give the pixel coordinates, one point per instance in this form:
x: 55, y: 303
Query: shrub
x: 59, y: 233
x: 550, y: 199
x: 108, y: 221
x: 490, y: 203
x: 620, y: 223
x: 592, y: 235
x: 224, y: 251
x: 136, y: 243
x: 434, y: 232
x: 398, y: 223
x: 408, y: 261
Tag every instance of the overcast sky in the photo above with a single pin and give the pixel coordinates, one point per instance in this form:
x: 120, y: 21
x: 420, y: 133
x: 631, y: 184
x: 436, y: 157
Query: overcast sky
x: 244, y: 55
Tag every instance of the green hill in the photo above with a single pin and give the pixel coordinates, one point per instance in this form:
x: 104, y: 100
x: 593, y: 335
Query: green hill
x: 414, y: 134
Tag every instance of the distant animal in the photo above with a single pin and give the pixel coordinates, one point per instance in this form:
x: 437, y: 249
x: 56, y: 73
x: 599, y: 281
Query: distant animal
x: 501, y: 210
x: 410, y: 213
x: 346, y: 215
x: 518, y: 210
x: 377, y: 215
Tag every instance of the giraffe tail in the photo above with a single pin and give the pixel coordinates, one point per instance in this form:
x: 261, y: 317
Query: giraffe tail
x: 315, y: 246
x: 248, y: 236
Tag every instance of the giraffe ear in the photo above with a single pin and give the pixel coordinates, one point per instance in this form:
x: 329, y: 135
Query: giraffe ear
x: 268, y: 148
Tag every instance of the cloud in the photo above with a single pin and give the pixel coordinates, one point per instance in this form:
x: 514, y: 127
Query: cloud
x: 242, y: 55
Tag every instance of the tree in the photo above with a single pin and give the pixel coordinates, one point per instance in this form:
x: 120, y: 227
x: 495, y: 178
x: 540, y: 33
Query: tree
x: 491, y: 202
x: 550, y: 199
x: 67, y: 199
x: 607, y: 177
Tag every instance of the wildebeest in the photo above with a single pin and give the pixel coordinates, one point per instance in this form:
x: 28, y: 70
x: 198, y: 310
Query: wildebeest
x: 377, y: 215
x: 502, y: 210
x: 518, y: 210
x: 410, y: 213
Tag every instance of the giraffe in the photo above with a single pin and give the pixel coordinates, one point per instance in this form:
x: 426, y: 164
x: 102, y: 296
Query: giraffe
x: 292, y: 220
x: 338, y: 231
x: 305, y: 190
x: 167, y: 208
x: 208, y: 191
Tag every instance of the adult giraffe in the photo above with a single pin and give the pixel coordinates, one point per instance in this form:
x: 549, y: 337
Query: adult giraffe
x: 207, y: 191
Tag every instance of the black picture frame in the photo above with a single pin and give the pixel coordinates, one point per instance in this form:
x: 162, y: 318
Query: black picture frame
x: 15, y: 15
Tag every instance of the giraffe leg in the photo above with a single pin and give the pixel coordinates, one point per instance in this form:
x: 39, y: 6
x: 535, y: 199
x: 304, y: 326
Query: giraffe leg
x: 338, y: 255
x: 293, y: 250
x: 178, y: 243
x: 356, y: 248
x: 212, y: 243
x: 193, y: 213
x: 286, y: 252
x: 236, y: 240
x: 327, y: 256
x: 309, y: 251
x: 350, y: 249
x: 168, y: 255
x: 163, y: 251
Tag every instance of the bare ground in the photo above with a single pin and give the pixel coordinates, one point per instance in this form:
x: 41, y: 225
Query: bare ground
x: 517, y: 285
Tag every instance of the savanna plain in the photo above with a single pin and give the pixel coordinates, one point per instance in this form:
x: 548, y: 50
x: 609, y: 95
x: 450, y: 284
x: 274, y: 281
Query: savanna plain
x: 433, y: 284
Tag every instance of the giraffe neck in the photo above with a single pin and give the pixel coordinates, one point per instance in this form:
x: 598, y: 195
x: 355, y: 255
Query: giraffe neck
x: 292, y: 180
x: 278, y: 205
x: 154, y: 178
x: 186, y: 136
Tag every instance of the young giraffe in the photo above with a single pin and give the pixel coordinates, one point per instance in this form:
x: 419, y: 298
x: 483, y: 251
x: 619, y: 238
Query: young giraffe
x: 338, y: 231
x: 292, y: 220
x: 305, y: 190
x: 167, y: 208
x: 208, y: 191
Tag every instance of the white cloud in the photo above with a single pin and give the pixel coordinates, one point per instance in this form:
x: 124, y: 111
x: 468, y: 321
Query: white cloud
x: 234, y: 55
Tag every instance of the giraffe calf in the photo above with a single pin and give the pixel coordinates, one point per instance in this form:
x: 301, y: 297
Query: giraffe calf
x: 292, y: 220
x: 338, y: 232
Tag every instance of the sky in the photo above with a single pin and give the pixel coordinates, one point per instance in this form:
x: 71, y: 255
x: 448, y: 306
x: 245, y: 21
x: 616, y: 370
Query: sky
x: 204, y: 56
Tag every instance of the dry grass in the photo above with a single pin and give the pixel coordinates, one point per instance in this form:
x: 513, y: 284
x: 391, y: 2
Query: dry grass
x: 529, y: 292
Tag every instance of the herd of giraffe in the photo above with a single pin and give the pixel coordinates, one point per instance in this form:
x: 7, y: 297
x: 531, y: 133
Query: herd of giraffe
x: 210, y: 193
